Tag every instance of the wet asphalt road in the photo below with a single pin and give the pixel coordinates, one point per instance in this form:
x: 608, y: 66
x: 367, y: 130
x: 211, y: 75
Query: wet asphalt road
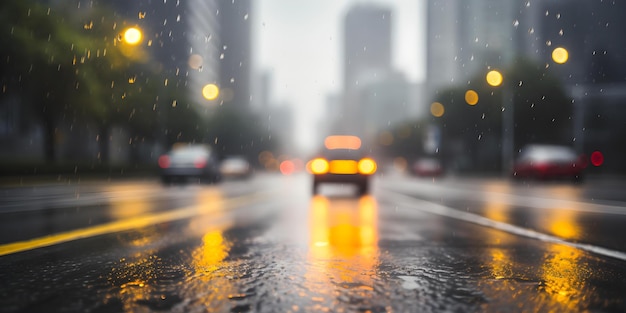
x: 267, y: 245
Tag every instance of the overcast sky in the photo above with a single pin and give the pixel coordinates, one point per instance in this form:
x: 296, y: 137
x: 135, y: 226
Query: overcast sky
x: 300, y: 44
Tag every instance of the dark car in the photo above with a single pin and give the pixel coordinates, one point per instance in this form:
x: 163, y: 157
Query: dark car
x: 342, y: 161
x: 190, y: 161
x: 546, y: 162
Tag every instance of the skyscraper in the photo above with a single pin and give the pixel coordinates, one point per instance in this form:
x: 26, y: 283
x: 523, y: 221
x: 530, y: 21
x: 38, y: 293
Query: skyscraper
x: 235, y: 55
x: 442, y: 43
x: 375, y: 96
x: 464, y: 39
x: 367, y: 43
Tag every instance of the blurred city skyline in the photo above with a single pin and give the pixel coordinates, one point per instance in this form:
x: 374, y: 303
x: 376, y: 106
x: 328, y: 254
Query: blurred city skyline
x: 301, y: 46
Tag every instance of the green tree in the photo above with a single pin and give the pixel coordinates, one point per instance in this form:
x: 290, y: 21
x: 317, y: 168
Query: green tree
x: 62, y: 67
x: 542, y: 114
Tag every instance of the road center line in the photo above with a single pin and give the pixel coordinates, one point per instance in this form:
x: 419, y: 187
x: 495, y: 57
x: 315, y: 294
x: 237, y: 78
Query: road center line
x: 439, y: 209
x: 130, y: 223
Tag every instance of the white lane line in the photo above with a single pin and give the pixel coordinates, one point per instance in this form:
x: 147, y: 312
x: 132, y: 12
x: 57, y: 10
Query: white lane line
x: 439, y: 209
x: 605, y: 207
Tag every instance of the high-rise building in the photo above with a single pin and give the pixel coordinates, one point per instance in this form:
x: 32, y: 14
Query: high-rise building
x: 465, y: 39
x: 442, y: 43
x: 367, y: 43
x: 235, y: 55
x: 367, y: 61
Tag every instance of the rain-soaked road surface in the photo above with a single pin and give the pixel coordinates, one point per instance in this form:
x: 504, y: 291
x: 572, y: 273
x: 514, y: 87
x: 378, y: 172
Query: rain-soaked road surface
x: 267, y: 245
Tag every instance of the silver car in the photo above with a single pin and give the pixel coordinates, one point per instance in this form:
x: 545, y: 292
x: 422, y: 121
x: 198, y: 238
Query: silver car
x: 189, y: 161
x: 235, y: 167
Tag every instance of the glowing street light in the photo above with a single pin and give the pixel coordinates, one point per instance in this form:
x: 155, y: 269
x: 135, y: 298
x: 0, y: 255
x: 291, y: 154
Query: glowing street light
x: 560, y: 55
x: 437, y: 109
x: 210, y: 92
x: 132, y: 36
x: 471, y: 97
x: 494, y: 78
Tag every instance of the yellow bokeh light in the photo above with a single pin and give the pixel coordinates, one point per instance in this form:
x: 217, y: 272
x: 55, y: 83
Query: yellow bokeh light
x: 210, y: 92
x: 132, y: 36
x: 437, y: 109
x: 471, y: 97
x: 560, y: 55
x: 494, y: 78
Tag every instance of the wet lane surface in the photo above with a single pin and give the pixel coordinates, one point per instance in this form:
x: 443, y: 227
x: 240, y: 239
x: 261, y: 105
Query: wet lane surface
x: 293, y: 252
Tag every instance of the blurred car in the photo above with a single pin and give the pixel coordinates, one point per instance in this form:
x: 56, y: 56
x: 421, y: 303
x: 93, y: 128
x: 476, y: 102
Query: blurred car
x: 430, y: 167
x: 235, y: 167
x: 189, y: 161
x: 548, y: 162
x: 342, y: 161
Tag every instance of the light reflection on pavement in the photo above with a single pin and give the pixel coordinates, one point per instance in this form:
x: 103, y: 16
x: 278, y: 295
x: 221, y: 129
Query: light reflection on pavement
x: 269, y: 246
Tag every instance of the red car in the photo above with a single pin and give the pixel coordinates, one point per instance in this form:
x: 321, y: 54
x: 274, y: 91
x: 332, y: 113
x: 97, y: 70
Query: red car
x: 546, y: 162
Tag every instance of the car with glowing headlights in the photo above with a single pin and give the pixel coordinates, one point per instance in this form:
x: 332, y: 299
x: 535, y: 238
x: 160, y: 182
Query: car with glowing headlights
x: 342, y: 161
x: 189, y: 161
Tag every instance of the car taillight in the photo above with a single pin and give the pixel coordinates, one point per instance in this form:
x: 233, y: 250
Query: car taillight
x: 367, y: 166
x: 319, y: 166
x: 200, y: 163
x: 542, y: 167
x: 164, y: 161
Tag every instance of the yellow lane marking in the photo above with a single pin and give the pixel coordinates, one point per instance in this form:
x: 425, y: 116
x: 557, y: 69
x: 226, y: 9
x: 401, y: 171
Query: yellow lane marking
x: 127, y: 224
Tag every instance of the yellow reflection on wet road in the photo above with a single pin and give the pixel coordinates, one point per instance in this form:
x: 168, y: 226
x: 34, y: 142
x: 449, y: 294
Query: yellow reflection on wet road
x: 133, y: 279
x: 495, y: 208
x: 343, y: 246
x: 141, y: 280
x: 127, y: 200
x: 562, y: 221
x: 214, y: 248
x: 213, y: 251
x: 207, y: 283
x: 563, y: 276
